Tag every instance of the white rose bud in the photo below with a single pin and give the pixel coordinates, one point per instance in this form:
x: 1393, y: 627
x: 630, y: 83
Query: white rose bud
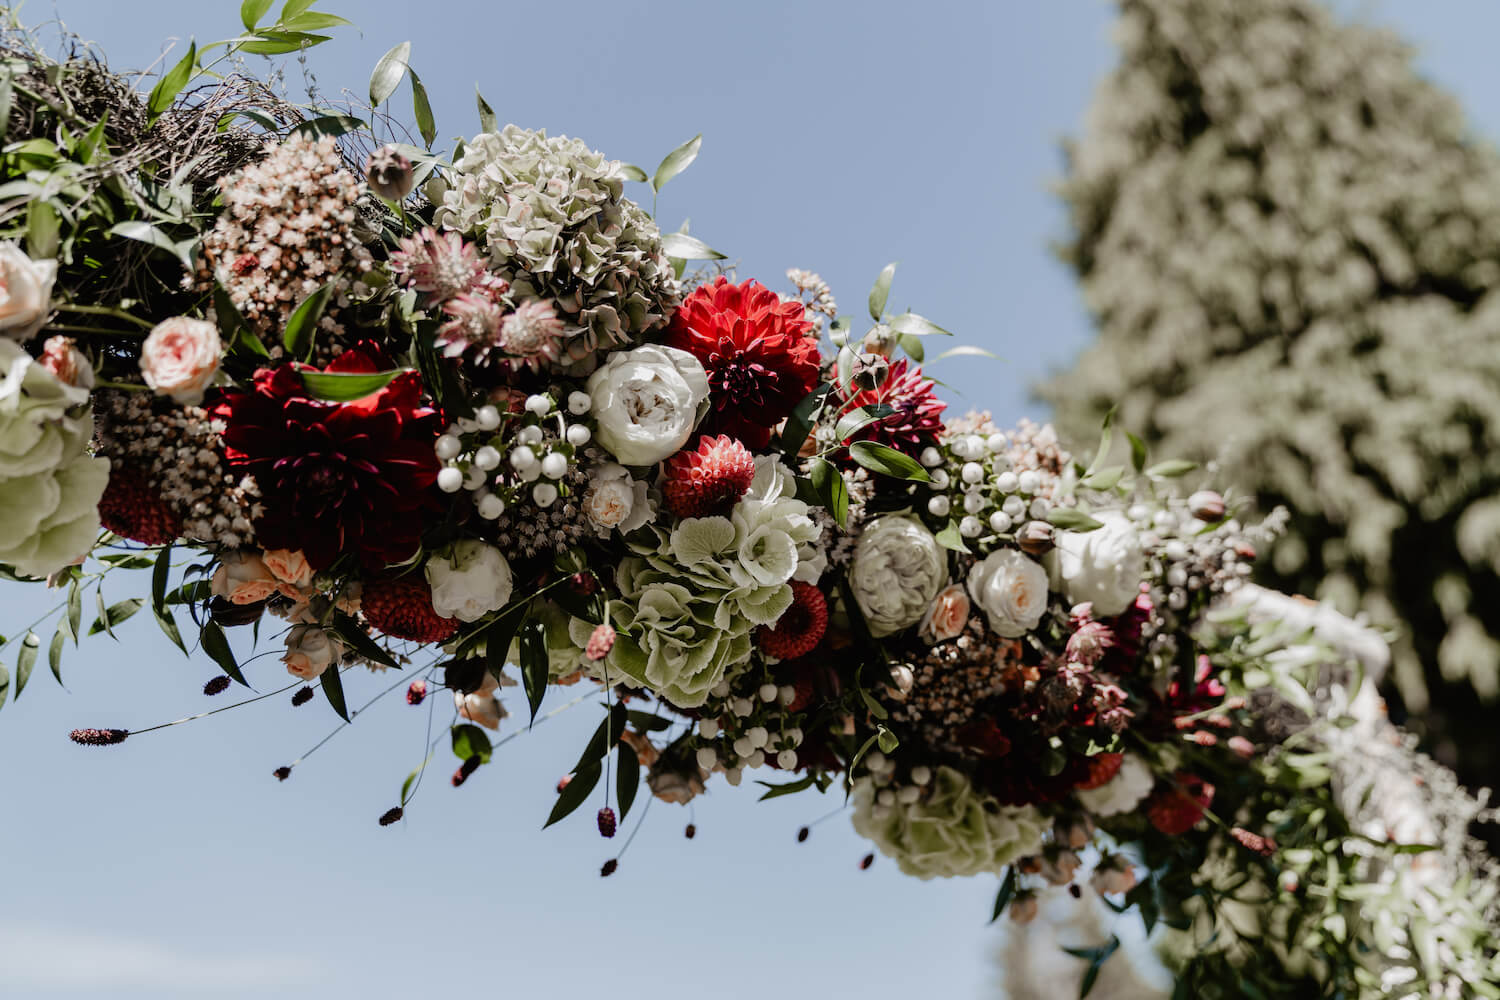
x: 1011, y: 589
x: 472, y: 582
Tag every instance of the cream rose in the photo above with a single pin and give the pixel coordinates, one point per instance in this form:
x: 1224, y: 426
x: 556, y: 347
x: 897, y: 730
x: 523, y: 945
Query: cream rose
x: 616, y: 501
x: 180, y: 358
x: 647, y: 401
x: 1011, y: 589
x: 49, y: 485
x: 25, y: 292
x: 897, y: 571
x: 290, y: 568
x: 310, y: 650
x: 243, y: 578
x: 948, y: 615
x: 471, y: 582
x: 1103, y: 566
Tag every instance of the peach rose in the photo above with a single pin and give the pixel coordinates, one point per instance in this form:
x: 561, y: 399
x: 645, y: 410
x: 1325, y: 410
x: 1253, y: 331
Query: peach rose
x: 25, y: 292
x: 310, y: 650
x: 948, y: 615
x: 243, y: 578
x: 291, y: 568
x: 66, y: 362
x: 180, y: 358
x: 481, y: 706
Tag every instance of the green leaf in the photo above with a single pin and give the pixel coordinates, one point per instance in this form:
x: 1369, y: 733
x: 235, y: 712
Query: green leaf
x: 159, y: 573
x: 577, y: 791
x: 75, y: 609
x: 314, y: 20
x: 115, y: 614
x: 627, y: 777
x: 631, y: 172
x: 26, y: 660
x: 41, y: 229
x: 917, y: 326
x: 676, y: 162
x: 422, y: 109
x: 1072, y: 519
x: 881, y: 291
x: 1007, y: 890
x: 604, y: 737
x: 54, y: 652
x: 330, y: 125
x: 1105, y: 479
x: 171, y: 84
x: 145, y: 232
x: 352, y: 635
x: 216, y: 645
x: 685, y: 247
x: 1171, y: 469
x: 1106, y: 437
x: 6, y: 94
x: 293, y: 8
x: 859, y: 418
x: 964, y: 350
x: 912, y: 346
x: 785, y: 788
x: 4, y: 684
x: 1137, y: 452
x: 887, y: 740
x: 388, y: 72
x: 646, y: 722
x: 470, y: 741
x: 333, y: 690
x: 343, y: 387
x: 799, y: 424
x: 275, y: 43
x: 534, y: 665
x: 831, y: 489
x: 888, y: 461
x: 298, y: 335
x: 951, y: 538
x: 411, y: 778
x: 489, y: 123
x: 875, y: 707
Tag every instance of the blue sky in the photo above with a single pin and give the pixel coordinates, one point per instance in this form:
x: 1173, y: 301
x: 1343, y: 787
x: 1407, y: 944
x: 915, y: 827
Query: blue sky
x: 837, y: 137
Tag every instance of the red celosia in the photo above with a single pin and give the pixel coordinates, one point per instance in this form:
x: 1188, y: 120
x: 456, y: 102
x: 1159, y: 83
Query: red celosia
x: 1102, y: 767
x: 334, y: 477
x: 916, y: 421
x: 402, y: 607
x: 132, y: 509
x: 760, y: 360
x: 1176, y: 808
x: 800, y: 627
x: 707, y: 479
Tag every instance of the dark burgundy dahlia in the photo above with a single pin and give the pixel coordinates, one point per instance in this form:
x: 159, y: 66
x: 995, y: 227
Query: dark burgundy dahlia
x: 757, y: 352
x: 334, y: 477
x: 917, y: 417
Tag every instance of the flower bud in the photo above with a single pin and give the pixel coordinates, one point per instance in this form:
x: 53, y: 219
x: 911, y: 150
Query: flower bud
x: 881, y: 341
x: 416, y: 692
x: 98, y: 737
x: 1036, y: 538
x: 870, y: 371
x: 389, y: 174
x: 391, y: 815
x: 1206, y: 505
x: 302, y: 696
x: 282, y: 773
x: 606, y: 822
x: 216, y: 685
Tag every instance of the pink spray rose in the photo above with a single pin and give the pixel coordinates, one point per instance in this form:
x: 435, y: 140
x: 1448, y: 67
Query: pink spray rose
x: 180, y: 358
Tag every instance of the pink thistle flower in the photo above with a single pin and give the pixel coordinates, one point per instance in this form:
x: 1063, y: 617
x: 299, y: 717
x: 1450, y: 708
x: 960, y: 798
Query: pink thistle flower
x: 474, y: 323
x: 442, y: 265
x: 532, y: 333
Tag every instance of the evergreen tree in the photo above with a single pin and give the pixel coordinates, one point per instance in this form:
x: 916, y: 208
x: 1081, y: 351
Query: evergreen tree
x: 1290, y: 243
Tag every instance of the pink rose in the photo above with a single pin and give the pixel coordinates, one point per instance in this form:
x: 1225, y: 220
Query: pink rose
x: 66, y: 362
x: 310, y: 650
x: 180, y: 358
x: 291, y: 568
x: 948, y: 615
x: 243, y: 578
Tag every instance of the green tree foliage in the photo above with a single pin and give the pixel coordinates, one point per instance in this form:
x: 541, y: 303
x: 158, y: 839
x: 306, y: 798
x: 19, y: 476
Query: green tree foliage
x: 1290, y: 243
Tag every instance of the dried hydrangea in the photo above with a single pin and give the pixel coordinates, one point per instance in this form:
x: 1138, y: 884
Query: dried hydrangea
x: 552, y: 216
x: 287, y: 230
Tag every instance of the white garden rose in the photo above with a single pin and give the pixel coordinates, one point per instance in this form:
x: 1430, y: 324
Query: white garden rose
x: 25, y: 292
x: 952, y: 830
x: 1122, y: 793
x: 469, y: 583
x: 616, y: 501
x: 1103, y: 566
x: 49, y: 485
x: 897, y: 571
x: 647, y: 401
x: 1011, y: 589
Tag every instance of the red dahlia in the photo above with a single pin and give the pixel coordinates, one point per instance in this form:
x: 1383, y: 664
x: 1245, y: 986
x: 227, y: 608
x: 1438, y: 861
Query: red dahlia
x: 132, y: 509
x: 800, y: 627
x: 334, y: 477
x: 709, y: 478
x: 1176, y: 808
x: 916, y: 421
x: 402, y: 607
x: 757, y: 352
x: 1102, y: 767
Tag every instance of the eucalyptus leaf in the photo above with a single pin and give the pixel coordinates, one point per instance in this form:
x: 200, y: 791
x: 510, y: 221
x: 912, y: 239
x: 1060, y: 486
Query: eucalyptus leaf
x: 115, y: 614
x: 1072, y: 519
x: 4, y: 684
x: 54, y: 652
x: 422, y: 110
x: 881, y: 291
x: 676, y: 162
x: 685, y: 247
x: 1171, y: 469
x: 631, y: 172
x: 41, y: 229
x: 917, y: 326
x: 26, y: 661
x: 785, y: 788
x: 388, y: 73
x: 313, y: 21
x: 912, y: 345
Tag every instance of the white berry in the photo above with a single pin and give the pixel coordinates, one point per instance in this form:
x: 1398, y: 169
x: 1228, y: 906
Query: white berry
x: 448, y: 447
x: 579, y: 403
x: 450, y: 479
x: 545, y: 494
x: 487, y: 417
x: 578, y: 435
x: 555, y: 465
x: 538, y: 404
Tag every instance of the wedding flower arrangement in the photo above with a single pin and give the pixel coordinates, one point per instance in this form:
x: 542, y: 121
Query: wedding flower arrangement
x: 466, y: 420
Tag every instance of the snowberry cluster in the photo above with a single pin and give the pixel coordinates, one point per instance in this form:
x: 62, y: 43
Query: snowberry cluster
x: 496, y: 456
x: 740, y: 729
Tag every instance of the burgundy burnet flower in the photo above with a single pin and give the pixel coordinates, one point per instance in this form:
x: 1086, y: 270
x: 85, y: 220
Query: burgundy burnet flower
x: 334, y: 477
x: 756, y: 350
x: 917, y: 419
